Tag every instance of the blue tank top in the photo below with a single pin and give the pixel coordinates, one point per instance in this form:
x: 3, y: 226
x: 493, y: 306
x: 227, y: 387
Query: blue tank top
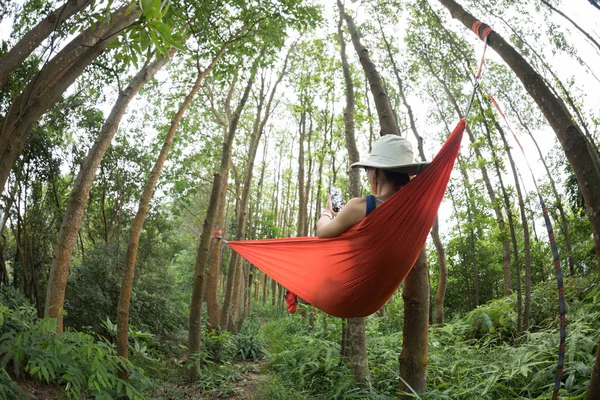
x: 371, y: 203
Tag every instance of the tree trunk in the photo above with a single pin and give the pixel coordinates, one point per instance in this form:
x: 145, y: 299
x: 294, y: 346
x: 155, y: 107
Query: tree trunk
x: 557, y: 196
x: 414, y: 357
x: 582, y: 158
x: 32, y: 39
x: 526, y: 236
x: 214, y: 267
x: 435, y: 234
x: 486, y: 179
x: 301, y: 200
x: 387, y: 120
x: 438, y: 299
x: 34, y: 102
x: 356, y: 339
x: 257, y: 132
x: 202, y: 252
x: 471, y: 209
x: 71, y: 222
x: 594, y: 388
x: 136, y: 227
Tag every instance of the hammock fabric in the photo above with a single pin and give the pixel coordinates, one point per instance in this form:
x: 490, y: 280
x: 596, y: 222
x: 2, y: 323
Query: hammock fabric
x: 354, y: 274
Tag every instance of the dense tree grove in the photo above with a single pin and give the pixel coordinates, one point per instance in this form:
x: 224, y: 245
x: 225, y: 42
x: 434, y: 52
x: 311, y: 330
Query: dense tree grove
x: 138, y: 137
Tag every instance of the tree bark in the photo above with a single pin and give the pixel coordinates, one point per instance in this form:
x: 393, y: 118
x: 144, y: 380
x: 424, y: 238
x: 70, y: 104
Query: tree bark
x: 526, y: 236
x: 387, y: 120
x: 257, y: 132
x: 438, y: 299
x: 414, y: 357
x: 511, y: 224
x: 594, y: 388
x: 214, y: 266
x: 71, y: 222
x: 202, y: 252
x: 584, y: 161
x: 46, y: 89
x: 557, y: 196
x: 435, y: 234
x: 356, y: 339
x: 32, y: 39
x: 136, y: 228
x: 507, y: 284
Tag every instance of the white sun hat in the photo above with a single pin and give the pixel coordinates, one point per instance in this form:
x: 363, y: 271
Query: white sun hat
x: 392, y: 153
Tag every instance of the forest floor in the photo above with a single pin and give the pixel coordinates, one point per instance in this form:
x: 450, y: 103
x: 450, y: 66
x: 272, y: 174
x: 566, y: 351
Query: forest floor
x: 251, y: 380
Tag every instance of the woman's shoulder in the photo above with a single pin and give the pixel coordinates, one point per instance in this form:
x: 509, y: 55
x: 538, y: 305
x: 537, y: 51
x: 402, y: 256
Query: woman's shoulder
x: 356, y: 205
x: 356, y: 202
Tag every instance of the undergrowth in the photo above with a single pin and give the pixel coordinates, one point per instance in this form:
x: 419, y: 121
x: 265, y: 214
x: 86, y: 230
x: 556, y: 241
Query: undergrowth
x: 478, y: 355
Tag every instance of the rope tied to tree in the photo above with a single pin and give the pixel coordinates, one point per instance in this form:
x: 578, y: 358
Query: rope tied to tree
x: 559, y: 275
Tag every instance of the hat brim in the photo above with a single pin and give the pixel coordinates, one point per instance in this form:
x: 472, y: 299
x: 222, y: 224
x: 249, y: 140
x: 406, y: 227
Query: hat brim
x: 411, y: 169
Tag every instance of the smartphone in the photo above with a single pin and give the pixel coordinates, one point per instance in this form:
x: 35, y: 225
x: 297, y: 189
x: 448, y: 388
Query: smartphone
x: 337, y: 202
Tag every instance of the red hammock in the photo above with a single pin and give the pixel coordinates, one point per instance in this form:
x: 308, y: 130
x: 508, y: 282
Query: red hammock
x: 354, y: 274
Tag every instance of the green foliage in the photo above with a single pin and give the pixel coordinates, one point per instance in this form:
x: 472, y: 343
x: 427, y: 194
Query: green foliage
x: 8, y: 389
x: 75, y: 361
x: 494, y: 320
x: 248, y: 342
x: 303, y: 362
x: 476, y: 356
x: 94, y: 286
x: 219, y: 379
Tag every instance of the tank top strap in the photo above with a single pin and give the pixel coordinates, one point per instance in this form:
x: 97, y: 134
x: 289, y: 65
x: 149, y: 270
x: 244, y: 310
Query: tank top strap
x: 371, y: 204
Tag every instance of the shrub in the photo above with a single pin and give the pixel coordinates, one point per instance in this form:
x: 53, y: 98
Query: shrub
x: 79, y: 363
x: 249, y: 343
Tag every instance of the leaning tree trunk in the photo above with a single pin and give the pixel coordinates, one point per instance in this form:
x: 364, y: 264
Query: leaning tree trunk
x: 385, y: 113
x: 471, y: 209
x: 582, y: 158
x: 71, y: 222
x: 257, y: 132
x: 32, y: 39
x: 511, y: 223
x: 138, y: 222
x: 524, y: 223
x: 490, y: 189
x: 202, y: 252
x: 356, y: 339
x: 44, y: 91
x: 594, y: 389
x: 559, y: 205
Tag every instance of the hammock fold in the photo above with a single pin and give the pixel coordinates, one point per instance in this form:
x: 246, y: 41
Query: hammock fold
x: 354, y: 274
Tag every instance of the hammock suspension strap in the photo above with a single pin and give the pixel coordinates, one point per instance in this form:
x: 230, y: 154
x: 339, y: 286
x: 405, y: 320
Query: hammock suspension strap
x: 557, y: 266
x: 476, y: 79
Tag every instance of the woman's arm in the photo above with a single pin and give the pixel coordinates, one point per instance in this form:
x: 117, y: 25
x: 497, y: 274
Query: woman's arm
x: 354, y: 211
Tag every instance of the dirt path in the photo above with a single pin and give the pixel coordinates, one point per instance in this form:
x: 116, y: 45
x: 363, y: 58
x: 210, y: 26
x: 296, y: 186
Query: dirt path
x: 251, y: 381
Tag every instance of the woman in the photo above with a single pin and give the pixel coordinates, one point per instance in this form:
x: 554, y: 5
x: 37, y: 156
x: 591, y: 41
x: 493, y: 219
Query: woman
x: 388, y: 168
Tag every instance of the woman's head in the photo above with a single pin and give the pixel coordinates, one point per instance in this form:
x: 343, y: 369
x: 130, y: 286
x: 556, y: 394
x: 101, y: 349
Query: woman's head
x: 379, y: 177
x: 392, y: 153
